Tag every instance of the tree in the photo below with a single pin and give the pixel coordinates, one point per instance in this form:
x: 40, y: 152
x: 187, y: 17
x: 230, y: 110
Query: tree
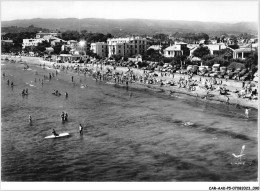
x: 116, y: 57
x: 57, y: 49
x: 235, y: 65
x: 252, y: 61
x: 152, y: 55
x: 71, y: 35
x: 161, y: 37
x: 201, y: 51
x: 233, y: 46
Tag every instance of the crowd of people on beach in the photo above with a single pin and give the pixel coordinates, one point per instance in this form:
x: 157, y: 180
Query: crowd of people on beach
x: 101, y: 71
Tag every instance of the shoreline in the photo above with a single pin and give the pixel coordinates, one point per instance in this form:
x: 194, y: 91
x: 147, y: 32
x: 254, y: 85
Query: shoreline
x: 200, y: 92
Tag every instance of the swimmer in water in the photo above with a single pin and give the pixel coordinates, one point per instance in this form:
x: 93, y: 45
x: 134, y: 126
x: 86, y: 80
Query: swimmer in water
x: 30, y: 119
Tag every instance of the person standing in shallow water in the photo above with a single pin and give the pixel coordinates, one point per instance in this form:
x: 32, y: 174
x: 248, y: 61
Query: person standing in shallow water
x: 66, y: 117
x: 62, y: 116
x: 30, y: 119
x: 80, y: 129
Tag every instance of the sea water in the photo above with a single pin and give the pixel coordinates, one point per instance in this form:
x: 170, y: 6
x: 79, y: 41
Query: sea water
x: 129, y: 134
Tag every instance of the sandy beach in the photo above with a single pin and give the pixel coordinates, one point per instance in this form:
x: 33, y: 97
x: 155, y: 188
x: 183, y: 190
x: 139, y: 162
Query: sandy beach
x: 200, y: 91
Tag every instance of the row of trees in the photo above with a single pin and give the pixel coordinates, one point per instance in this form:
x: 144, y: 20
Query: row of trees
x: 85, y: 35
x: 191, y: 37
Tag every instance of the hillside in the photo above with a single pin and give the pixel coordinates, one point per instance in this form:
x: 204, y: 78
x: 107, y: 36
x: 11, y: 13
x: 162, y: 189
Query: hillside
x: 134, y: 26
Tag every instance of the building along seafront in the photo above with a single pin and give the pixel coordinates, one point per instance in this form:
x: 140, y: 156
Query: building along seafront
x: 126, y: 46
x: 32, y: 42
x: 178, y: 49
x: 100, y: 48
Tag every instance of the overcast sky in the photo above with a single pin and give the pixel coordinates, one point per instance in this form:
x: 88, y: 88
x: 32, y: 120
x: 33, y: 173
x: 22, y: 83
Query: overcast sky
x: 219, y: 11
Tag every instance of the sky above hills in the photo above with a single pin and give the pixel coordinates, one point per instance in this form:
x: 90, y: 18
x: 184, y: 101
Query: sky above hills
x: 213, y: 11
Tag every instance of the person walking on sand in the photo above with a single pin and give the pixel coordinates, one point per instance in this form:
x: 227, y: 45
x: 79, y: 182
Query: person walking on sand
x: 80, y: 129
x: 227, y: 100
x: 247, y: 112
x: 66, y: 95
x: 8, y: 82
x: 71, y: 78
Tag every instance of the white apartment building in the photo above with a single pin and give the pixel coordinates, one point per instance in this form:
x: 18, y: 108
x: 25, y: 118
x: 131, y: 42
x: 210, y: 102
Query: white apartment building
x: 32, y: 42
x: 100, y: 48
x: 173, y: 51
x: 126, y: 46
x: 47, y: 36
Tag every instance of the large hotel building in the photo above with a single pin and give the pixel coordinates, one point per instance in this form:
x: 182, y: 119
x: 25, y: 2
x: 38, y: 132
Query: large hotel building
x: 126, y: 46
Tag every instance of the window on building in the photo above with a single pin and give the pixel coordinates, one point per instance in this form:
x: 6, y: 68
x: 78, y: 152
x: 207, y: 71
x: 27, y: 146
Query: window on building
x: 119, y: 46
x: 169, y: 53
x: 119, y: 51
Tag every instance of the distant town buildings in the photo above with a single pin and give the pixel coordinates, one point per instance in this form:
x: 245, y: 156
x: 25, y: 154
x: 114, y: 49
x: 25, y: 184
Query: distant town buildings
x: 126, y: 46
x: 155, y: 47
x: 47, y: 36
x: 7, y: 42
x: 242, y: 53
x: 178, y: 49
x: 32, y: 42
x: 100, y: 48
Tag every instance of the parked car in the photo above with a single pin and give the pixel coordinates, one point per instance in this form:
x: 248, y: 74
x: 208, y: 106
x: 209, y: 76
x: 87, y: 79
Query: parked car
x: 215, y: 67
x: 214, y: 74
x: 207, y: 74
x: 223, y: 69
x: 202, y: 72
